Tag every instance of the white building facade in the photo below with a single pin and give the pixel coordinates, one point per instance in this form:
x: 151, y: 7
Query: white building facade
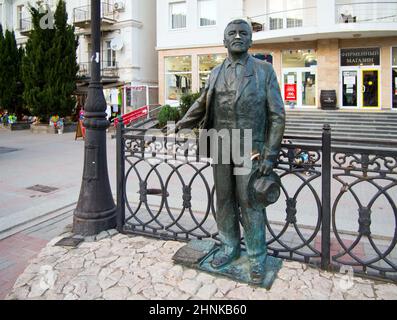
x: 349, y: 46
x: 128, y: 57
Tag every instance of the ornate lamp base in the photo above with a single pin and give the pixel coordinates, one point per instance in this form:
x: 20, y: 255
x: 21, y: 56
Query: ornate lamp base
x: 198, y: 254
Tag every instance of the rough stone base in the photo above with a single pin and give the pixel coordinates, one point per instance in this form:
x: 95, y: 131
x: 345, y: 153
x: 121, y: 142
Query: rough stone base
x: 198, y: 254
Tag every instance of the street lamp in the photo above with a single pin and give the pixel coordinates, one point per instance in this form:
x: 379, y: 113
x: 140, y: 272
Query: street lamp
x: 96, y: 210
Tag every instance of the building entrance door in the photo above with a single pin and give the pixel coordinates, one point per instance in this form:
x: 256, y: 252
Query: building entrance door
x: 299, y: 87
x: 360, y: 87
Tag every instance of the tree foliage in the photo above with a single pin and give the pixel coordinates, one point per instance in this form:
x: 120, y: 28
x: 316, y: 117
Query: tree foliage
x: 10, y: 73
x: 49, y: 66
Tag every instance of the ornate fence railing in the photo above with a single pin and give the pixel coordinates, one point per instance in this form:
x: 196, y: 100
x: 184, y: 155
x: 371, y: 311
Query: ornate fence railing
x: 337, y: 206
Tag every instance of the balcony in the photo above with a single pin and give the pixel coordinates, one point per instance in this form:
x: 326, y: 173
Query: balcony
x: 25, y: 26
x: 295, y: 18
x: 82, y: 16
x: 108, y: 73
x: 366, y: 12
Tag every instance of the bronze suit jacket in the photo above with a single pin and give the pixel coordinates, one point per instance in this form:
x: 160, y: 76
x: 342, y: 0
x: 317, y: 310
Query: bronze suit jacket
x: 258, y: 106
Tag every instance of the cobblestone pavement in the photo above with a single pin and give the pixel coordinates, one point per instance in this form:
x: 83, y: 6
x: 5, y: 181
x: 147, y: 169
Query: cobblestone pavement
x: 119, y: 267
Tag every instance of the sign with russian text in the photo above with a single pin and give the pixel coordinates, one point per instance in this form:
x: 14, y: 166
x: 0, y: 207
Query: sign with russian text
x: 360, y: 57
x: 290, y: 92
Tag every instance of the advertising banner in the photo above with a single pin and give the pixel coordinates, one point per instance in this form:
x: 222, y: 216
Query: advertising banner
x: 290, y: 92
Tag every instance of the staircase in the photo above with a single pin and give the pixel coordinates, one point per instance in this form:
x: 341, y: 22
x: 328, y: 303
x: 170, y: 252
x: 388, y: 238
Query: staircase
x: 378, y: 127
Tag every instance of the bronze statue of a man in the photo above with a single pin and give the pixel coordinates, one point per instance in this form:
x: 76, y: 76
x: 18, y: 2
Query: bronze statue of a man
x: 242, y: 93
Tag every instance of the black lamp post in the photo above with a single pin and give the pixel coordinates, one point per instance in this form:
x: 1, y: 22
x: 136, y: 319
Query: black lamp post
x: 96, y: 210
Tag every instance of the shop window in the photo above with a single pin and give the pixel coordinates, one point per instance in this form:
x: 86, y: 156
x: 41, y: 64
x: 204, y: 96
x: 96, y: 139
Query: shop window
x: 207, y: 12
x: 178, y: 15
x: 299, y: 58
x: 178, y: 77
x: 207, y: 62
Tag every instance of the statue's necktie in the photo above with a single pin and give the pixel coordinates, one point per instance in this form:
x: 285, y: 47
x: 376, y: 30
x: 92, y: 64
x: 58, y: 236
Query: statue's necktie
x: 232, y: 76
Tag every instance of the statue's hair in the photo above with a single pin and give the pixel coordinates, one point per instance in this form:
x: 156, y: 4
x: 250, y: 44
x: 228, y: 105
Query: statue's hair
x: 239, y: 21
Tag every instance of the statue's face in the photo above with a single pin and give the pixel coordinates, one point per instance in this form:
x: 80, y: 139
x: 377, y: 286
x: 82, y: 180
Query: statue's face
x: 238, y: 38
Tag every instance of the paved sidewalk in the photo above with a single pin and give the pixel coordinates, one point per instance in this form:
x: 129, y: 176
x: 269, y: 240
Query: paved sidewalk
x: 120, y: 267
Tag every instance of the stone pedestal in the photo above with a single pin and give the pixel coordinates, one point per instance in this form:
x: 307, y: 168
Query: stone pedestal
x: 198, y: 254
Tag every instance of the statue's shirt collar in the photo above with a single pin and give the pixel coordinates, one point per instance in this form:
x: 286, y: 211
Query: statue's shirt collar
x: 242, y: 61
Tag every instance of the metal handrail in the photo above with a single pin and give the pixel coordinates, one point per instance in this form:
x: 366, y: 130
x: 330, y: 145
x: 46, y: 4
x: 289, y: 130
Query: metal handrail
x: 107, y: 11
x: 359, y: 10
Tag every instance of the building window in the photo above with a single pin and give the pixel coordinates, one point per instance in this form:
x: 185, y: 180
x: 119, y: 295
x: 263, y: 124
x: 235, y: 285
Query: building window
x: 207, y: 62
x: 20, y: 17
x: 291, y: 14
x: 299, y: 58
x: 207, y: 12
x: 178, y: 15
x: 178, y: 77
x: 394, y: 77
x: 110, y: 55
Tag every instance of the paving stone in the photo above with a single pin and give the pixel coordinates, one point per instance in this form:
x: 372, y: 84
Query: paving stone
x: 149, y: 293
x: 20, y: 293
x: 162, y: 290
x: 240, y: 293
x: 136, y: 297
x: 116, y: 293
x: 224, y: 285
x: 112, y: 268
x: 259, y: 294
x: 109, y: 279
x: 386, y: 291
x: 71, y: 296
x: 112, y: 232
x: 207, y: 291
x: 205, y: 278
x: 174, y: 275
x: 176, y: 294
x: 102, y: 235
x: 23, y: 280
x: 37, y: 289
x: 140, y: 286
x: 189, y: 274
x: 189, y: 286
x: 287, y: 274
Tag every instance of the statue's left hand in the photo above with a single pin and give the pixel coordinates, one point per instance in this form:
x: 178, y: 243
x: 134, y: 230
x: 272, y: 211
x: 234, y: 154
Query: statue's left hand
x: 266, y: 167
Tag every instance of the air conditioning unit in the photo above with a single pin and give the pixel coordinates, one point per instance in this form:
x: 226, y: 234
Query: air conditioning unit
x: 119, y: 6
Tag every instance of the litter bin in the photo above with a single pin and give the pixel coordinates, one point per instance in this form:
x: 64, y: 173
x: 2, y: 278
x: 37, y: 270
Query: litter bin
x: 328, y: 99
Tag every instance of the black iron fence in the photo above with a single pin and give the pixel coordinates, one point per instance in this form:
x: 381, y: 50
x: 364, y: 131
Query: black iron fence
x: 337, y: 208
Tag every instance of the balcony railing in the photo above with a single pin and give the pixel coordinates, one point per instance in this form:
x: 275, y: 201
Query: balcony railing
x: 295, y: 18
x: 82, y: 15
x: 366, y: 12
x: 107, y: 71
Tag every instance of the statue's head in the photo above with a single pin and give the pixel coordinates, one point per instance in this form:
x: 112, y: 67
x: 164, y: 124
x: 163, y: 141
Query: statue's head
x: 238, y: 36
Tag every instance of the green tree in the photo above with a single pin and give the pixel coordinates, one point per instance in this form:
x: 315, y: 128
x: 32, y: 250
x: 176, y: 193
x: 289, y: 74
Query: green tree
x: 10, y: 74
x: 1, y: 64
x: 49, y: 66
x: 62, y: 73
x: 35, y: 67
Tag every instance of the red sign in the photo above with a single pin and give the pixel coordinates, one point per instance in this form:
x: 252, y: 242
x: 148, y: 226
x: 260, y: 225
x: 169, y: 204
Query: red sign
x: 290, y: 92
x: 133, y: 115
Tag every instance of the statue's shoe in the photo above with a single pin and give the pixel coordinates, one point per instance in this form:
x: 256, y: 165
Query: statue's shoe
x: 221, y: 258
x: 257, y: 272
